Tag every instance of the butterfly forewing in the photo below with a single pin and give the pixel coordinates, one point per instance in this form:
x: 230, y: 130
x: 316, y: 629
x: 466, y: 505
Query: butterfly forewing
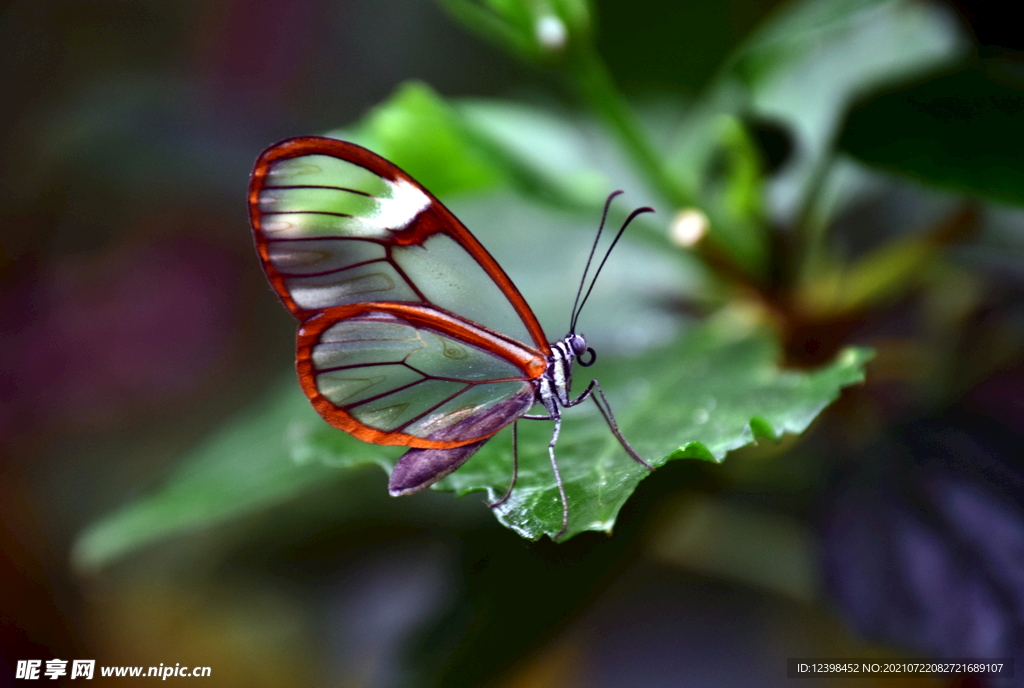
x: 336, y: 225
x: 411, y: 333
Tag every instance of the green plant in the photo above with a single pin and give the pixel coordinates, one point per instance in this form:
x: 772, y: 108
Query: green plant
x: 781, y: 298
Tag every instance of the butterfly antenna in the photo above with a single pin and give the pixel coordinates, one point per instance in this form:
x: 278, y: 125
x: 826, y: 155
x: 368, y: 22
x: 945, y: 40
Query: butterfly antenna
x: 632, y: 216
x: 604, y: 216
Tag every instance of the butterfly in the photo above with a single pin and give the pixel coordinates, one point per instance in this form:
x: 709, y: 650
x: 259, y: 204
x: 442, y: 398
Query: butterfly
x: 411, y: 334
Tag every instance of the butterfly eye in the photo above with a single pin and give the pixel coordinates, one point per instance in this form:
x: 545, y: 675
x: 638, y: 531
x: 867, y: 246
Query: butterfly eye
x: 578, y: 344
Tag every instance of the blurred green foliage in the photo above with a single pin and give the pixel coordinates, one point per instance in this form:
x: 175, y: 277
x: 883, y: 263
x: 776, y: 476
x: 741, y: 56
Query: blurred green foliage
x: 774, y: 353
x: 857, y: 167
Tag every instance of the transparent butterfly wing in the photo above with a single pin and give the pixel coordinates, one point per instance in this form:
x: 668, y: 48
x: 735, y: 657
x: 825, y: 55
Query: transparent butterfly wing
x: 406, y: 374
x: 412, y: 334
x: 336, y: 224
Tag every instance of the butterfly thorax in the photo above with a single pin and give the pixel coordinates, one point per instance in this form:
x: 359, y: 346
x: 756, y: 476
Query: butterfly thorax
x: 554, y: 386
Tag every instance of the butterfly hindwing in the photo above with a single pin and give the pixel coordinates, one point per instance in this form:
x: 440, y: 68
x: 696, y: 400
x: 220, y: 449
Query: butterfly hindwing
x: 421, y: 468
x: 411, y: 375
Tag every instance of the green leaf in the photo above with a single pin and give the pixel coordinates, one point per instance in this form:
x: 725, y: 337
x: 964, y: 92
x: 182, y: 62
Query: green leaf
x: 703, y: 397
x: 418, y: 131
x: 509, y: 31
x: 698, y: 399
x: 553, y: 157
x: 575, y: 13
x: 805, y: 66
x: 474, y: 145
x: 960, y: 130
x: 625, y: 313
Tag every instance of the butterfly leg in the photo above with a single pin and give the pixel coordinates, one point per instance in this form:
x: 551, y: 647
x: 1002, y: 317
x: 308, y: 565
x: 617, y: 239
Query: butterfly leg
x: 606, y: 410
x: 515, y: 466
x: 584, y: 395
x: 557, y: 417
x: 558, y: 478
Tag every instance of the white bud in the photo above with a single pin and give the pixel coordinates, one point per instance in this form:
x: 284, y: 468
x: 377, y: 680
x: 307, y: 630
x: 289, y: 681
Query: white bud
x: 551, y: 32
x: 688, y: 227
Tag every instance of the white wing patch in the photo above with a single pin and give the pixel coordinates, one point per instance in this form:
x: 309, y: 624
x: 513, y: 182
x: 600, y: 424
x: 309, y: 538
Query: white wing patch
x: 395, y: 213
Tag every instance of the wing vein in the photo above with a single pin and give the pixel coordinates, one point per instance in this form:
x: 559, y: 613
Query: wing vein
x: 308, y: 212
x: 326, y: 237
x: 328, y: 272
x: 318, y: 186
x: 430, y: 410
x: 385, y: 394
x: 401, y: 273
x: 320, y: 371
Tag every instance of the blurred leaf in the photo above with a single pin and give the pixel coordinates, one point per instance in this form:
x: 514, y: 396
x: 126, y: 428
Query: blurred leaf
x: 545, y: 250
x: 880, y: 275
x: 744, y: 190
x: 960, y: 131
x: 804, y: 66
x: 735, y: 203
x: 575, y: 13
x: 418, y: 131
x: 552, y: 155
x: 566, y: 159
x: 729, y: 540
x: 474, y: 145
x: 256, y: 460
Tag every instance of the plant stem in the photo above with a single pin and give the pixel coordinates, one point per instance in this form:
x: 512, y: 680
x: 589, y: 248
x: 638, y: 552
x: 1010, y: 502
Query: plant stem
x: 596, y: 83
x: 809, y: 224
x: 490, y: 26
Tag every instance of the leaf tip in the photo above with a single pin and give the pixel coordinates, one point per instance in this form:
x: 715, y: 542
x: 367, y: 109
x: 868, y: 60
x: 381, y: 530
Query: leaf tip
x: 762, y: 429
x: 693, y: 450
